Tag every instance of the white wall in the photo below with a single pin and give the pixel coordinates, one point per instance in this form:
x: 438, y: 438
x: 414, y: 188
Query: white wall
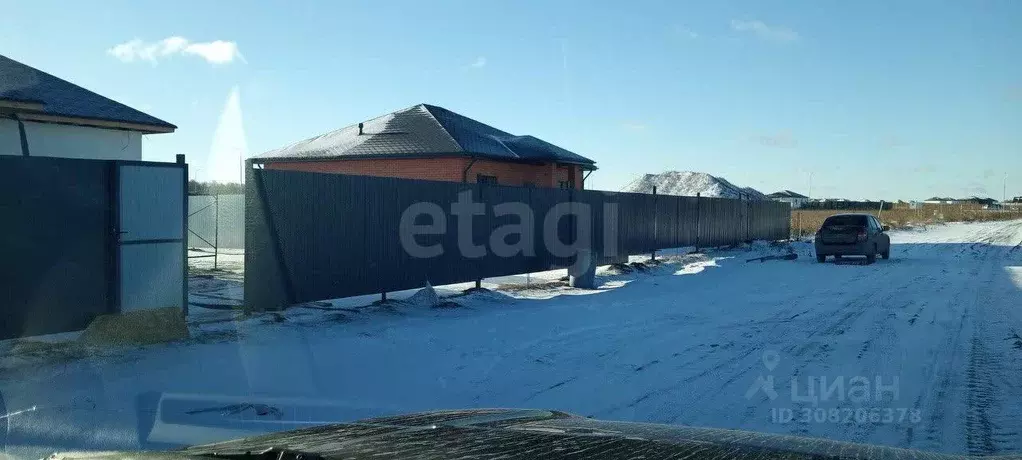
x: 54, y: 140
x: 794, y: 202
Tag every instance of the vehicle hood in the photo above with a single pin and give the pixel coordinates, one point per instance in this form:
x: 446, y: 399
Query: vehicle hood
x: 517, y: 433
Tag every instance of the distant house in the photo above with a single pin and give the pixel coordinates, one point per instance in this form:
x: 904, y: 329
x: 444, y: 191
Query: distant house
x: 42, y: 115
x: 973, y: 200
x: 429, y: 142
x: 796, y: 200
x: 980, y: 201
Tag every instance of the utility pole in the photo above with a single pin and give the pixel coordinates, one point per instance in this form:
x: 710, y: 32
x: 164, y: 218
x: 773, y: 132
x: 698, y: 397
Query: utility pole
x: 1004, y: 189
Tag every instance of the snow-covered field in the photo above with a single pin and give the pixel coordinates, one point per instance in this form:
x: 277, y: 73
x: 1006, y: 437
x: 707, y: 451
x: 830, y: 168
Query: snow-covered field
x: 705, y: 340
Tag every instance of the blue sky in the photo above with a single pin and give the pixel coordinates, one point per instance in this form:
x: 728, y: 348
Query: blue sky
x: 875, y: 99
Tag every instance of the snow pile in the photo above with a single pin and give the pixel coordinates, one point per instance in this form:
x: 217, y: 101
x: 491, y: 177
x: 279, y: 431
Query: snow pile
x: 426, y: 297
x: 429, y: 297
x: 689, y: 183
x: 754, y: 194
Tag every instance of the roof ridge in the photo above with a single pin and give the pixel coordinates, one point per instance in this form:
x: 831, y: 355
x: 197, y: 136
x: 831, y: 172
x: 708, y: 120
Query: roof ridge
x: 332, y: 131
x: 473, y: 120
x: 432, y: 116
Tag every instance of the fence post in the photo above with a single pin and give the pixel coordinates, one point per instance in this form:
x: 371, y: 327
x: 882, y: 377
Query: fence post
x: 652, y: 256
x: 699, y: 212
x: 798, y: 231
x: 179, y: 159
x: 748, y: 221
x: 216, y: 228
x: 477, y: 193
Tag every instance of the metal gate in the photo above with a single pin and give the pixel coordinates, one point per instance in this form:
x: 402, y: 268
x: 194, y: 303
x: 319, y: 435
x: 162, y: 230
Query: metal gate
x: 151, y: 228
x: 82, y: 238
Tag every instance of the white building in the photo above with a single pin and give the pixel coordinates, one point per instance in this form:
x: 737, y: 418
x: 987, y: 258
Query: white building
x: 42, y: 115
x: 796, y: 200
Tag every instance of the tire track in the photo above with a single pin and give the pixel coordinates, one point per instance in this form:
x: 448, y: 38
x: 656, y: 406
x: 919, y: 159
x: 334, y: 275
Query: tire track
x: 967, y: 397
x: 992, y: 418
x: 887, y: 334
x: 955, y: 356
x: 980, y: 399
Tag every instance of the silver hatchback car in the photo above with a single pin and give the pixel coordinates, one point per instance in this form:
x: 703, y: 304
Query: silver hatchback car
x: 852, y: 235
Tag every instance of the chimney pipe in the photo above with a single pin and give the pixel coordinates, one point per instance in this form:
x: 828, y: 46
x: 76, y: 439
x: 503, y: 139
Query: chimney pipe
x: 360, y: 129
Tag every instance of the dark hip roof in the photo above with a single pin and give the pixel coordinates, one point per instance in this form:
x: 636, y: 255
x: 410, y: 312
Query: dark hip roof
x: 60, y: 98
x: 425, y: 131
x: 786, y: 194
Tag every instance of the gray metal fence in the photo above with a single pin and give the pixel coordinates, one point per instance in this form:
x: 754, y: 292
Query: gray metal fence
x: 81, y: 238
x: 216, y: 221
x: 312, y: 236
x: 56, y: 244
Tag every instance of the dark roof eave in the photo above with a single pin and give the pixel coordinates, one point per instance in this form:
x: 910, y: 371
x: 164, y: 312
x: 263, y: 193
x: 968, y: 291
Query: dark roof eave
x: 107, y: 123
x: 583, y: 164
x: 21, y: 99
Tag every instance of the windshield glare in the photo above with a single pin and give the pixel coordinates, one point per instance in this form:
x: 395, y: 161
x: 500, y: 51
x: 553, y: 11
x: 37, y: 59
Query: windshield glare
x: 799, y: 220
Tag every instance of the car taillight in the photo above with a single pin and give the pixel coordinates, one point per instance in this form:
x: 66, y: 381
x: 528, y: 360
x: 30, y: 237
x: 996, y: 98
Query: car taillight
x: 861, y: 236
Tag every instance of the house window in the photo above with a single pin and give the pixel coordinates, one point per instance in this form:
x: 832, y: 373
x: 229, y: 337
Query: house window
x: 484, y: 179
x: 566, y: 184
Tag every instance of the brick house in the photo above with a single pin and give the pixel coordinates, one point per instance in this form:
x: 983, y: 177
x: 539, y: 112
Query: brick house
x: 433, y: 143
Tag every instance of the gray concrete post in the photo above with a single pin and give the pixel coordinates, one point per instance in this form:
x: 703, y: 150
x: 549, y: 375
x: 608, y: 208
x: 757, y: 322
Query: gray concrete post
x: 582, y: 274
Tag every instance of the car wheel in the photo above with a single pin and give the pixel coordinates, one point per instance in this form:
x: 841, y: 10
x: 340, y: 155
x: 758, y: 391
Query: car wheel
x: 821, y: 258
x: 886, y: 254
x: 871, y: 258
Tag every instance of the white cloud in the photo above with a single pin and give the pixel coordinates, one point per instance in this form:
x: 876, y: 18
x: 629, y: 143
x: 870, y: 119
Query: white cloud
x: 215, y: 52
x: 683, y: 31
x: 480, y: 62
x: 761, y: 30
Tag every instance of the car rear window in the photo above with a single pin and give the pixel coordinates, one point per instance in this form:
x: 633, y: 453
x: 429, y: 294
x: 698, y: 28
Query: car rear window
x: 845, y: 220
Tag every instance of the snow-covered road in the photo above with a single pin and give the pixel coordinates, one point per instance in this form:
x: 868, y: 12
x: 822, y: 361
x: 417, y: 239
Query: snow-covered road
x: 784, y: 347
